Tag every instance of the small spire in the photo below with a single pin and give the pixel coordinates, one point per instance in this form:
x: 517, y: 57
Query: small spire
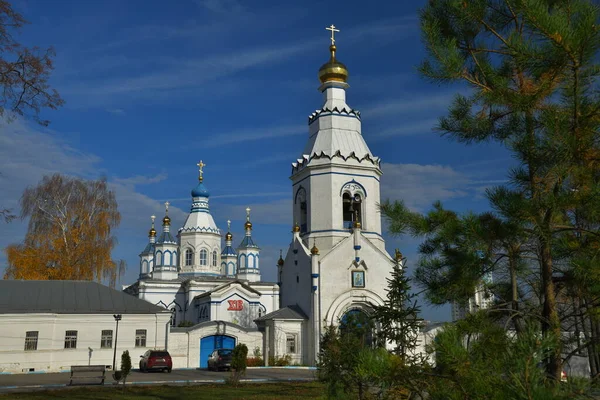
x: 229, y: 225
x: 228, y: 235
x: 315, y: 250
x: 248, y: 224
x: 296, y: 227
x: 201, y: 166
x: 280, y: 262
x: 152, y: 232
x: 166, y: 219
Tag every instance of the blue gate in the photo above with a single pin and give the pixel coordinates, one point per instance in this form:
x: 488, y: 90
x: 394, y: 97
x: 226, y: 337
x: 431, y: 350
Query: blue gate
x: 209, y: 343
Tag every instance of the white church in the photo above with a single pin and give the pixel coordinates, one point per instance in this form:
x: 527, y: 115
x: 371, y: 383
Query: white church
x: 336, y: 262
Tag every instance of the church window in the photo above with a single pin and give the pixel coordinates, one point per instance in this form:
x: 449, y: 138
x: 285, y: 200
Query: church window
x: 290, y: 342
x: 203, y: 257
x: 351, y: 209
x: 70, y: 339
x: 189, y: 257
x: 106, y: 339
x: 302, y: 210
x: 214, y: 259
x: 31, y: 340
x: 140, y: 338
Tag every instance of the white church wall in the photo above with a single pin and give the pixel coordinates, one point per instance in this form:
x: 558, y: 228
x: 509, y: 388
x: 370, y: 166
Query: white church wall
x: 296, y: 279
x: 51, y: 356
x: 281, y: 331
x: 184, y: 343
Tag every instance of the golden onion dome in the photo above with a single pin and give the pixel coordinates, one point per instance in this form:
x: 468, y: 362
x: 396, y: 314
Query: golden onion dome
x: 357, y: 224
x: 296, y: 228
x: 152, y: 232
x: 314, y: 250
x: 248, y: 225
x: 280, y: 261
x: 166, y: 220
x: 228, y: 236
x: 333, y: 70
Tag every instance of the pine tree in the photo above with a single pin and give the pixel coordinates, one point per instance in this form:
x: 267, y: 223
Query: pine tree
x: 398, y: 317
x: 531, y: 68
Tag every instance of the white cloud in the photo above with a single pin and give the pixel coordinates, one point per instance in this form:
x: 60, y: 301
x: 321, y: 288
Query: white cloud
x: 420, y: 185
x: 253, y: 134
x: 221, y: 6
x: 116, y: 111
x: 28, y: 152
x: 405, y: 129
x: 409, y: 105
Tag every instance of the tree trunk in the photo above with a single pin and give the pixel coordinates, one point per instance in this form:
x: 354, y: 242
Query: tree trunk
x: 515, y: 293
x: 550, y: 319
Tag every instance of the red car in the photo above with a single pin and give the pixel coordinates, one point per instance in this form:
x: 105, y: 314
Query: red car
x: 156, y: 359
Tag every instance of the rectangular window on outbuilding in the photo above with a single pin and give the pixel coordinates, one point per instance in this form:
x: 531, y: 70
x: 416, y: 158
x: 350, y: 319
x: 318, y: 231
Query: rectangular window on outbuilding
x: 70, y: 339
x: 106, y: 339
x: 290, y: 341
x: 31, y: 340
x: 140, y: 338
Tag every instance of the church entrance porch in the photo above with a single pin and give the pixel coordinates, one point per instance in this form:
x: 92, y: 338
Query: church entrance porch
x: 210, y: 343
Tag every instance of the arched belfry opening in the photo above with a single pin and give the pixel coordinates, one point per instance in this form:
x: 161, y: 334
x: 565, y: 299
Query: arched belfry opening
x: 351, y: 209
x: 302, y: 210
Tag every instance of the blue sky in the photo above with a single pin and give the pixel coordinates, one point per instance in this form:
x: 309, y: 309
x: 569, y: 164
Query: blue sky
x: 152, y: 87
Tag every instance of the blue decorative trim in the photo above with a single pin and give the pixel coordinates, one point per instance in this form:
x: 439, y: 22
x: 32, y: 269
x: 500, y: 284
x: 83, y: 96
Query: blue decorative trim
x: 314, y: 288
x: 357, y: 259
x: 201, y: 229
x: 356, y: 247
x: 197, y: 210
x: 315, y: 275
x: 336, y: 173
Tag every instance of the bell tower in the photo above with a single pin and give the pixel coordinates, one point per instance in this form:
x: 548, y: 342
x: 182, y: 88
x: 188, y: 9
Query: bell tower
x: 336, y: 180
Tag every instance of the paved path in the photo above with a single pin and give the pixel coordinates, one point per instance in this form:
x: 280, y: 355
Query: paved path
x: 25, y: 382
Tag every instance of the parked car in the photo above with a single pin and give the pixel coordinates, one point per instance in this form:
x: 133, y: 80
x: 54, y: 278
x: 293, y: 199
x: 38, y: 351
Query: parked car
x: 220, y: 359
x: 156, y: 360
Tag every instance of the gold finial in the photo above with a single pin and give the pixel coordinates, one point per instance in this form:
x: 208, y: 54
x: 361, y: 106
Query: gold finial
x: 315, y: 250
x: 280, y: 262
x: 333, y: 30
x: 333, y: 70
x: 356, y: 221
x: 166, y: 219
x: 201, y: 166
x: 228, y: 235
x: 296, y: 228
x: 152, y: 232
x: 398, y: 255
x: 248, y: 224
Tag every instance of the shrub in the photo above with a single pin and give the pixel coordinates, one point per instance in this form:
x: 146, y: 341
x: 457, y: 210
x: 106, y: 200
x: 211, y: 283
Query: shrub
x: 280, y: 361
x: 125, y: 365
x: 238, y: 363
x: 255, y: 362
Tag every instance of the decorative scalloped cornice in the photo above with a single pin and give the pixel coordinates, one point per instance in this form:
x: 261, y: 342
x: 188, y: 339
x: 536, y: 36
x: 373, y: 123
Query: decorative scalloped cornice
x: 302, y: 162
x: 200, y: 229
x: 312, y: 117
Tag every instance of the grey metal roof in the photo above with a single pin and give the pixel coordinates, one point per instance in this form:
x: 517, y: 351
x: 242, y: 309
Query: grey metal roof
x: 69, y: 297
x: 289, y: 312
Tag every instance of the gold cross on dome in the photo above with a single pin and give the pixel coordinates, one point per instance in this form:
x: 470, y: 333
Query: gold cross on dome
x: 201, y: 166
x: 333, y: 31
x: 247, y: 213
x: 153, y: 218
x: 229, y: 225
x: 167, y: 206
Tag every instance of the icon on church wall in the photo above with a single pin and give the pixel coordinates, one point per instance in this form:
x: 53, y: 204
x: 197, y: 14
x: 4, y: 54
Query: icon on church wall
x: 358, y: 279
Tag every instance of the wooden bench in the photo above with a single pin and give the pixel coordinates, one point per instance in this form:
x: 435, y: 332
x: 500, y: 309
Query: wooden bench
x: 87, y: 373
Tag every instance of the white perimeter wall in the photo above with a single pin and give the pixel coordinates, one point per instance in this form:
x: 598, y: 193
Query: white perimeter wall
x: 51, y: 355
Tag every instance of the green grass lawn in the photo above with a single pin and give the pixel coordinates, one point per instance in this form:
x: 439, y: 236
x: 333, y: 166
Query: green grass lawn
x: 266, y: 391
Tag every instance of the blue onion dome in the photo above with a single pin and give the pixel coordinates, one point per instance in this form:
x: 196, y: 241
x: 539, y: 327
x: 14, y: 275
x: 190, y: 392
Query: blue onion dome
x: 200, y: 191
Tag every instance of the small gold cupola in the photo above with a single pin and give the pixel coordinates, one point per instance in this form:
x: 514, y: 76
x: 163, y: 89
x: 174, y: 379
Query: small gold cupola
x: 166, y: 219
x: 280, y: 262
x: 248, y: 224
x: 315, y: 250
x: 333, y: 70
x: 152, y: 232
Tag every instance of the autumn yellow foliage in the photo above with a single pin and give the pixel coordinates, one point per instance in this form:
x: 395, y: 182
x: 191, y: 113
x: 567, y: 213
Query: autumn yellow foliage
x: 69, y: 233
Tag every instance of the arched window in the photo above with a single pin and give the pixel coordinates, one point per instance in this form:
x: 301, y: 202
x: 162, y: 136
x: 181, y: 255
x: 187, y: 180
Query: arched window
x: 302, y: 209
x: 351, y: 209
x: 203, y: 257
x: 189, y: 257
x: 214, y: 258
